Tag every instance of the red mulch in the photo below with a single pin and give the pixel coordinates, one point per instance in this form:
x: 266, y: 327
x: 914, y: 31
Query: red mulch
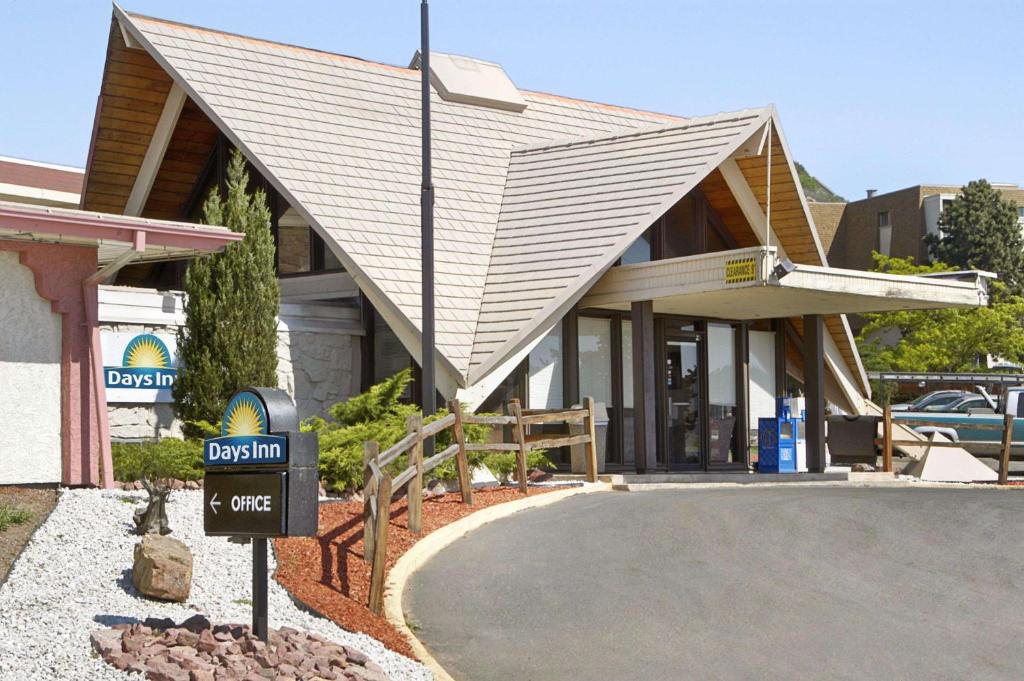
x: 328, y: 573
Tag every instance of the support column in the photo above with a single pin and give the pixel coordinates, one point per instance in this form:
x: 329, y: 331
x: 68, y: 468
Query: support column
x: 645, y: 440
x: 814, y: 387
x: 779, y: 327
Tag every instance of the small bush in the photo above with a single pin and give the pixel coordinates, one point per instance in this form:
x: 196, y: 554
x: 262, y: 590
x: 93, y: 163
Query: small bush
x: 12, y: 515
x: 503, y: 464
x: 167, y: 458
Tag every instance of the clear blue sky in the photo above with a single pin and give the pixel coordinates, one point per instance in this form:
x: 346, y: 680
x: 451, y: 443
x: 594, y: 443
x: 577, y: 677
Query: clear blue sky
x: 871, y: 94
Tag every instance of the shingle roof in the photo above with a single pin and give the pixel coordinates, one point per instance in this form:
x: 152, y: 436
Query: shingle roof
x: 340, y: 138
x: 570, y: 209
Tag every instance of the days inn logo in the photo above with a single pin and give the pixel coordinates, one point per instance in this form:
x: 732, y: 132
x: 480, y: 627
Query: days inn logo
x: 244, y: 436
x: 146, y: 365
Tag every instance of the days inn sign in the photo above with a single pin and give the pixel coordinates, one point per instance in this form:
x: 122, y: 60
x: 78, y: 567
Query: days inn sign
x: 245, y: 439
x: 139, y: 367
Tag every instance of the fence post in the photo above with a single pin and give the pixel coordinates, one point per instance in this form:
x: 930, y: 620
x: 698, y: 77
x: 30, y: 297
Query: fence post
x: 887, y: 439
x: 461, y: 459
x: 370, y: 451
x: 1004, y: 454
x: 380, y: 545
x: 520, y: 435
x: 414, y: 491
x: 591, y: 430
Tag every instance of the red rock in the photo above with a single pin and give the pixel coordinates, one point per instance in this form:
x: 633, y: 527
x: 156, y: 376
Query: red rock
x: 356, y: 657
x: 106, y: 642
x: 206, y: 643
x: 201, y: 675
x: 126, y: 662
x: 159, y: 670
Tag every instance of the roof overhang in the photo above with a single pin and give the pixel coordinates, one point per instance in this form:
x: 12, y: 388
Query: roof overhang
x: 113, y: 236
x: 753, y: 283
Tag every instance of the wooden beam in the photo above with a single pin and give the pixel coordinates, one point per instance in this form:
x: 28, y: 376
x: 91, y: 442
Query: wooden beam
x: 749, y: 204
x: 520, y: 437
x: 415, y: 489
x: 107, y: 272
x: 461, y: 459
x: 155, y: 151
x: 1004, y: 455
x: 591, y: 435
x: 380, y: 546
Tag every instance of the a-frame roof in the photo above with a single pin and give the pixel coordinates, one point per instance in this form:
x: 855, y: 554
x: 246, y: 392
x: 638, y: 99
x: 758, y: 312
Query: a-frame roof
x: 338, y: 137
x: 570, y: 210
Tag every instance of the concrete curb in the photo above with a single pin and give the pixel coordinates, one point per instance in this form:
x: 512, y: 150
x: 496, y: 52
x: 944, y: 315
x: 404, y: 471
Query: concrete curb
x: 436, y: 541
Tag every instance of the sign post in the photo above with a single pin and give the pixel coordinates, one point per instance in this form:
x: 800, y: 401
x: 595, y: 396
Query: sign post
x: 261, y: 481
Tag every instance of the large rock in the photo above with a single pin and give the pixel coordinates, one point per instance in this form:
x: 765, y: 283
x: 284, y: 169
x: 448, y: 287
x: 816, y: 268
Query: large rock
x: 163, y: 568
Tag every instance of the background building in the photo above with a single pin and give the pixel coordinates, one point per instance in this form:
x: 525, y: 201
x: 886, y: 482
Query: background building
x: 893, y: 224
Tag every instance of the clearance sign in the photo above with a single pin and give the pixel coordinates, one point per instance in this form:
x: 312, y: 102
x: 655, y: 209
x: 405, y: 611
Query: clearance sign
x: 139, y: 367
x: 740, y: 271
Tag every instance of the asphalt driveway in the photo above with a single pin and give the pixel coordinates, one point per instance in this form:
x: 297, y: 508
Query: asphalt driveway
x: 765, y: 583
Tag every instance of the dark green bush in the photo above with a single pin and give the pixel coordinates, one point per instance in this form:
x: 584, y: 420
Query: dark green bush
x: 167, y: 458
x: 376, y: 415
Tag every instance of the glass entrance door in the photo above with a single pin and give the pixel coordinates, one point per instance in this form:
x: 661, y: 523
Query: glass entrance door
x: 682, y: 409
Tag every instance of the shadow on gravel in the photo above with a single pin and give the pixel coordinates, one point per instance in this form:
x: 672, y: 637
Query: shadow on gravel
x: 111, y: 620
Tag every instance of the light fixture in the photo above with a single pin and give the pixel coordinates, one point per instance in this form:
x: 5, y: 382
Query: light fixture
x: 784, y: 267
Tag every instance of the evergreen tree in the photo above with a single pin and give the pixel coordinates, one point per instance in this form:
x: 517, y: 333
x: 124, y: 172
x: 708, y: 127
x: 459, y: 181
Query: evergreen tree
x: 979, y: 231
x: 229, y: 339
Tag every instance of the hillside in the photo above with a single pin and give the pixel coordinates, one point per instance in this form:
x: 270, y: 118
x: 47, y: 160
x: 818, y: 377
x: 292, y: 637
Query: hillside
x: 815, y: 190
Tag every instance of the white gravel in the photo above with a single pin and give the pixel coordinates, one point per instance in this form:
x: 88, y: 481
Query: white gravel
x: 74, y: 577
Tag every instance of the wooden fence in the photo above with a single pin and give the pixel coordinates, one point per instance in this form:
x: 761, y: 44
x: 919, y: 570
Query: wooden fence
x: 1006, y: 440
x: 380, y: 486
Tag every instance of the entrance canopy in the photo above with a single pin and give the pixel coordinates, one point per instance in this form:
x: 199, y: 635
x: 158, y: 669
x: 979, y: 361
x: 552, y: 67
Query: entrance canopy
x: 753, y: 283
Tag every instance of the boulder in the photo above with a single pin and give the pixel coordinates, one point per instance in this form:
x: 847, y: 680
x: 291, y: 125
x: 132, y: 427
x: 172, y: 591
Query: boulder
x: 162, y: 568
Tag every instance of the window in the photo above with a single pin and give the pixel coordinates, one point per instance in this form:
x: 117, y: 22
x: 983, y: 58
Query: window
x: 884, y: 233
x: 640, y: 250
x: 545, y: 366
x: 595, y: 358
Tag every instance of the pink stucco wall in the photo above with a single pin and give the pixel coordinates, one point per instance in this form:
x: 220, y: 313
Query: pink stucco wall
x: 59, y: 272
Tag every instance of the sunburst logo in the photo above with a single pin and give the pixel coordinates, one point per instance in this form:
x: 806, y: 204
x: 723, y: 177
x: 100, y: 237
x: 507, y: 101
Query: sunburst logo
x: 245, y: 437
x: 146, y: 364
x: 245, y: 415
x: 146, y: 351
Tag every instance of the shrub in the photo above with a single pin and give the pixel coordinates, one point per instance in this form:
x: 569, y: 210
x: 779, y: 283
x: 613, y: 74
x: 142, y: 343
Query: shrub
x: 503, y: 464
x: 13, y: 515
x: 376, y: 415
x: 166, y: 458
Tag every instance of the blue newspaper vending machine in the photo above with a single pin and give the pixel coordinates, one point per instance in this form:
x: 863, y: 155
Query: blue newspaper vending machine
x: 776, y: 440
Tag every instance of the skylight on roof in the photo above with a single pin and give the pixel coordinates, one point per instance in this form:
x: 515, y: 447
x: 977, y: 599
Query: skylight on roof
x: 472, y: 81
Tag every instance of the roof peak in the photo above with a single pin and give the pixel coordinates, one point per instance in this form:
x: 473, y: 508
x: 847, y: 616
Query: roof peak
x: 391, y: 67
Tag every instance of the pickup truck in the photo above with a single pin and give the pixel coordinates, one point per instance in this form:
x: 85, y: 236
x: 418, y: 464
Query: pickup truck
x: 958, y: 427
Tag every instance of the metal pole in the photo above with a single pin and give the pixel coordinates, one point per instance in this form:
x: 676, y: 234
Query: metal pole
x: 259, y: 588
x: 427, y: 233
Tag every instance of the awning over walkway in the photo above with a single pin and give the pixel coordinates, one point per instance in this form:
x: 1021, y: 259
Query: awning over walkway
x: 751, y: 283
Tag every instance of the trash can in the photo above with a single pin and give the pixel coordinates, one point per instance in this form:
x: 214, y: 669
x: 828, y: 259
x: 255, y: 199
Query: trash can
x: 578, y: 453
x: 851, y: 439
x: 776, y: 445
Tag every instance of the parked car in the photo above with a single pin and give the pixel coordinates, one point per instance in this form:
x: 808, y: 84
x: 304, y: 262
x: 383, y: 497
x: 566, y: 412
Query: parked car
x: 932, y: 399
x: 980, y: 432
x: 960, y: 406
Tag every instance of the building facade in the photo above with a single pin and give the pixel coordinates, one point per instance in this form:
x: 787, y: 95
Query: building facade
x: 666, y: 266
x: 894, y: 223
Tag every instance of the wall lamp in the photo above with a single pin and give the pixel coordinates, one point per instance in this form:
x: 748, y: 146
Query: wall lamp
x: 784, y: 267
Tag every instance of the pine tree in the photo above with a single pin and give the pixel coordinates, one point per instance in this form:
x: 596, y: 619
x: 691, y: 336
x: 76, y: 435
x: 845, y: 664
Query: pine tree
x: 229, y: 339
x: 980, y: 231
